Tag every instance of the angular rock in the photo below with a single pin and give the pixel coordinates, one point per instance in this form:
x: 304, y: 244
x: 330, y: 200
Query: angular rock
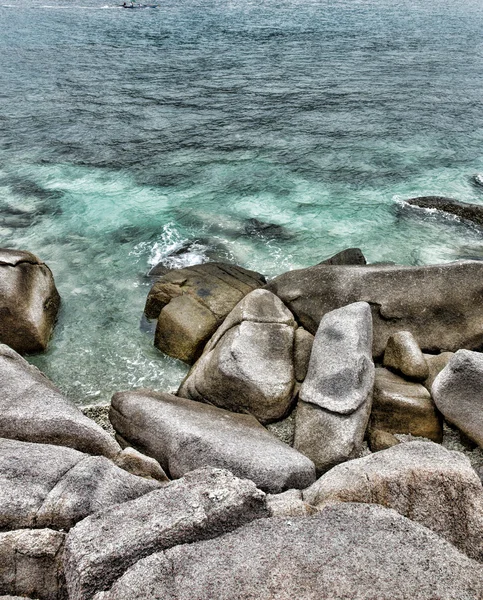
x: 48, y: 486
x: 336, y: 396
x: 404, y: 356
x: 423, y: 481
x: 439, y: 304
x: 29, y: 301
x: 463, y: 210
x: 349, y: 256
x: 191, y: 303
x: 436, y: 363
x: 31, y: 564
x: 349, y: 551
x: 248, y: 364
x: 381, y: 440
x: 303, y: 343
x: 401, y: 406
x: 184, y: 435
x: 139, y: 464
x: 204, y: 504
x: 458, y: 393
x: 32, y: 409
x: 289, y: 504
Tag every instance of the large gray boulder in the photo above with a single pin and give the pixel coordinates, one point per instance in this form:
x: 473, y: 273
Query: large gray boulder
x: 439, y: 304
x: 336, y: 396
x: 48, y: 486
x: 348, y: 552
x: 31, y: 564
x: 422, y: 481
x: 32, y: 409
x: 458, y: 393
x: 401, y: 406
x: 248, y: 364
x: 29, y: 301
x: 184, y: 435
x: 202, y: 505
x: 191, y: 303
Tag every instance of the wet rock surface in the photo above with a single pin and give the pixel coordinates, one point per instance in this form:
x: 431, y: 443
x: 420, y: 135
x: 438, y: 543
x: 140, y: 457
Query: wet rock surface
x: 463, y: 210
x: 29, y: 301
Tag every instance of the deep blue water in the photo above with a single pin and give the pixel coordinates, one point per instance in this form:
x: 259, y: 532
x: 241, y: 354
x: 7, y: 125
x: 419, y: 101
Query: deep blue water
x: 129, y: 134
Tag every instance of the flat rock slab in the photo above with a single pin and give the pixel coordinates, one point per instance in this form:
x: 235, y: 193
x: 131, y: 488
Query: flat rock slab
x: 191, y: 303
x: 422, y: 481
x: 48, y: 486
x: 31, y: 564
x: 204, y: 504
x: 336, y: 396
x: 247, y: 366
x: 349, y: 551
x: 401, y: 406
x: 32, y: 409
x: 183, y: 435
x: 439, y: 304
x: 29, y: 301
x: 458, y: 393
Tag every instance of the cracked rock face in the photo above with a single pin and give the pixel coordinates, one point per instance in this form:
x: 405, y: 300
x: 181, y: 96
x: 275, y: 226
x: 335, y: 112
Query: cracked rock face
x: 439, y: 304
x: 202, y: 505
x: 191, y: 303
x: 336, y: 396
x: 248, y: 364
x: 32, y: 409
x: 31, y: 564
x: 348, y: 551
x: 29, y: 301
x: 50, y: 486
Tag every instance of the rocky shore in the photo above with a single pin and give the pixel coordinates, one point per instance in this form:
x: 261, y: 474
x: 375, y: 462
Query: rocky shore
x: 325, y: 443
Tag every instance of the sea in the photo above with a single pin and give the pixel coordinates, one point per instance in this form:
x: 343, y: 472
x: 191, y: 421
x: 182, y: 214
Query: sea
x: 269, y: 133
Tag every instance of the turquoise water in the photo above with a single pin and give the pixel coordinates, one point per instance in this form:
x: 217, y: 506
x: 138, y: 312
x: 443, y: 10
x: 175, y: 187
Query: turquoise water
x: 132, y: 137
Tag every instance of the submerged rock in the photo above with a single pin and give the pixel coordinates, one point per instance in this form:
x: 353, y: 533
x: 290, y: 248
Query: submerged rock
x: 49, y: 486
x: 184, y: 435
x: 458, y: 393
x: 32, y: 409
x: 336, y: 396
x: 463, y: 210
x: 422, y: 481
x: 439, y: 304
x: 29, y: 301
x: 349, y: 551
x: 204, y: 504
x: 191, y: 303
x: 248, y: 364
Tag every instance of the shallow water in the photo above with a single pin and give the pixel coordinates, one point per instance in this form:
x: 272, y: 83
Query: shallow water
x: 130, y: 137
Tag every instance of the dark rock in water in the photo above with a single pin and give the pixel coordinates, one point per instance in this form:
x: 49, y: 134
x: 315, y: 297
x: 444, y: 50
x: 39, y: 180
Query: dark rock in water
x: 270, y: 230
x: 350, y: 256
x: 191, y: 303
x: 478, y: 179
x: 439, y: 304
x: 29, y: 301
x: 147, y: 325
x: 348, y: 551
x: 463, y: 210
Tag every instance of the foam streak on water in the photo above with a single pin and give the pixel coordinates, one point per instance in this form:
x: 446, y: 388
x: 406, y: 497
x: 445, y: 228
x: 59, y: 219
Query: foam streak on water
x: 172, y: 134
